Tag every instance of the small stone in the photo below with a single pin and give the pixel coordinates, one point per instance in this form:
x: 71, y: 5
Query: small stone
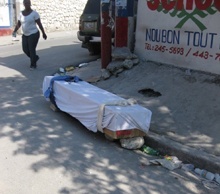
x: 134, y: 56
x: 128, y: 64
x: 114, y: 66
x: 135, y: 61
x: 105, y: 74
x: 118, y: 72
x: 132, y: 143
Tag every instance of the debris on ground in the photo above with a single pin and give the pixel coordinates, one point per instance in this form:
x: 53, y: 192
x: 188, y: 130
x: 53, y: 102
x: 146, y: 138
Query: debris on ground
x: 122, y: 59
x: 132, y: 143
x: 170, y: 162
x: 217, y: 178
x: 205, y: 174
x: 83, y: 65
x: 69, y: 68
x: 188, y: 167
x: 150, y: 151
x: 210, y: 184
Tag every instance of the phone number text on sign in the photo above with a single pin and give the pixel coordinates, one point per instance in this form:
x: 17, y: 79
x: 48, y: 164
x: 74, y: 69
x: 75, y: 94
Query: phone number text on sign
x: 181, y: 51
x: 206, y: 55
x: 159, y: 48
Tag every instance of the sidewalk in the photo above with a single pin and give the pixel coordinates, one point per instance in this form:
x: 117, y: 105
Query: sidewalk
x: 186, y: 113
x: 9, y: 40
x: 186, y: 117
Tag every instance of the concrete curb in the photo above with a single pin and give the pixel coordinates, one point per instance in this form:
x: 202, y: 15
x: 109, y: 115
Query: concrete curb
x: 186, y: 154
x: 160, y: 142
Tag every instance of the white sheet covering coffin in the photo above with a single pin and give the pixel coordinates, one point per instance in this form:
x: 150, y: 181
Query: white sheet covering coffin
x: 82, y: 101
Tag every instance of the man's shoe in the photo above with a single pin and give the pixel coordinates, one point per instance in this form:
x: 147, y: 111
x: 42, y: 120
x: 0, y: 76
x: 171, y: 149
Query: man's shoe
x: 33, y: 67
x: 37, y: 58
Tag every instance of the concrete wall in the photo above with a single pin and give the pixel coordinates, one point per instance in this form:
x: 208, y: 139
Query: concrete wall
x: 58, y: 15
x: 180, y: 35
x: 6, y: 16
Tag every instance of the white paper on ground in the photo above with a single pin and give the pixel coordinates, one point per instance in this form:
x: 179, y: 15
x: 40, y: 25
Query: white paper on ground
x: 169, y: 164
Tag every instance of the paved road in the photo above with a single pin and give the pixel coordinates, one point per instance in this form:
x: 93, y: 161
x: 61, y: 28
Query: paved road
x: 51, y: 153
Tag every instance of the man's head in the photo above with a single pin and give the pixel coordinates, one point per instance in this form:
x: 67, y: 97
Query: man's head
x: 27, y: 4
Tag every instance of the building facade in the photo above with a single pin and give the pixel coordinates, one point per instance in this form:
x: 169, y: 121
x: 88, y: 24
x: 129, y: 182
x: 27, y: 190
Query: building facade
x: 183, y: 33
x: 56, y: 15
x: 7, y: 16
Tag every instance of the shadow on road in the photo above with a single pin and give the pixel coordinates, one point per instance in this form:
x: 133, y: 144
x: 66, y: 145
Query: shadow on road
x: 93, y: 164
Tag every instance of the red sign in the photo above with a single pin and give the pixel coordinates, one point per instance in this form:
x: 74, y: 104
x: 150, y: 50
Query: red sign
x: 183, y: 4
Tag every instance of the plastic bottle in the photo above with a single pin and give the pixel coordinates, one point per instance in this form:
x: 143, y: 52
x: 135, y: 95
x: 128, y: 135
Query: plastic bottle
x: 217, y: 178
x: 205, y: 174
x: 14, y: 34
x: 188, y: 167
x: 149, y: 150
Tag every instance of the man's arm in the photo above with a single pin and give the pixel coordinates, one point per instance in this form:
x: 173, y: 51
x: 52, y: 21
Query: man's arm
x: 41, y: 28
x: 18, y: 25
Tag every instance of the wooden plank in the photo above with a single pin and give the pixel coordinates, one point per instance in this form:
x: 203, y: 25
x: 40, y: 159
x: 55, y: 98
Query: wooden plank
x: 123, y: 133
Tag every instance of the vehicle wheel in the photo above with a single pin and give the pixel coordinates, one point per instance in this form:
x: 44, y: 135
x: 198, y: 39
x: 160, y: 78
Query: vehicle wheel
x: 94, y: 48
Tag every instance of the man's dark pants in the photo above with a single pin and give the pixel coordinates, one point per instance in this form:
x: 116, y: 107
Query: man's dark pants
x: 29, y: 44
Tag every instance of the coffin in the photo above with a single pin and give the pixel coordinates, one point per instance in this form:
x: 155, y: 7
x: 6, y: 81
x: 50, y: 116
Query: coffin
x: 99, y: 110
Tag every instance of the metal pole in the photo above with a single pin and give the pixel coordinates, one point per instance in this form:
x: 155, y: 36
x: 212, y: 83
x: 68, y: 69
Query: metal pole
x: 17, y: 12
x: 106, y: 34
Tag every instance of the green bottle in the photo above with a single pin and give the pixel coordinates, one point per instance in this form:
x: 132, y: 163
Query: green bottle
x: 149, y: 150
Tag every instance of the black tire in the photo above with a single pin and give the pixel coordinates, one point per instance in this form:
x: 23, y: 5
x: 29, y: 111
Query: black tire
x: 94, y: 48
